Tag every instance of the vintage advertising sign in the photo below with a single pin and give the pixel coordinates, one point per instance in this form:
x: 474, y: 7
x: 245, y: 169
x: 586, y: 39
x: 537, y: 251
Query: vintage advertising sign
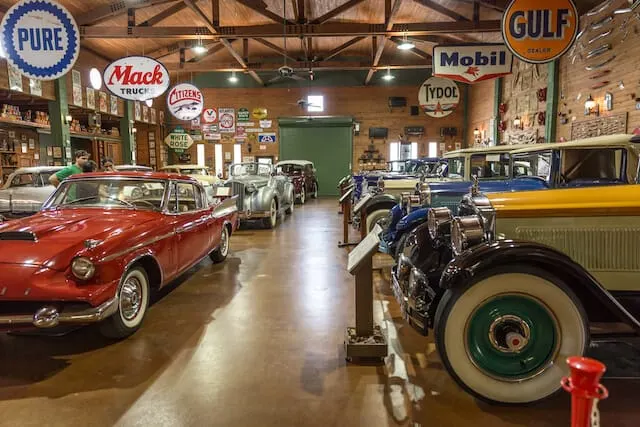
x: 210, y: 115
x: 472, y: 63
x: 266, y: 124
x: 243, y: 115
x: 40, y: 38
x: 438, y: 97
x: 259, y: 113
x: 136, y: 78
x: 241, y: 132
x: 227, y: 120
x: 267, y: 138
x: 539, y: 31
x: 185, y: 101
x: 178, y: 141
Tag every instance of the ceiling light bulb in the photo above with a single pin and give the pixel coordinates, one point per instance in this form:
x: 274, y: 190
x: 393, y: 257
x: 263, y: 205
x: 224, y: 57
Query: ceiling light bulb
x: 233, y: 78
x: 95, y: 77
x: 388, y: 76
x: 199, y: 49
x: 406, y: 45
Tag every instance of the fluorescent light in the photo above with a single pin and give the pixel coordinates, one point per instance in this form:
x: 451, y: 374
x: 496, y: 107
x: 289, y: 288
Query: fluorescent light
x: 95, y: 77
x: 406, y: 45
x: 149, y: 102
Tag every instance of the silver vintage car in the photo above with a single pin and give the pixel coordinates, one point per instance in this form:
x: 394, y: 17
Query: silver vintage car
x: 263, y: 195
x: 26, y: 190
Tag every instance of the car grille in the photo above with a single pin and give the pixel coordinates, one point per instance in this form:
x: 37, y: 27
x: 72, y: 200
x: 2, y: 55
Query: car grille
x: 238, y: 189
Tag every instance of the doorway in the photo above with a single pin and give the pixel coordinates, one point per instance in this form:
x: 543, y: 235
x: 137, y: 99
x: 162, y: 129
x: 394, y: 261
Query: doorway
x: 325, y: 141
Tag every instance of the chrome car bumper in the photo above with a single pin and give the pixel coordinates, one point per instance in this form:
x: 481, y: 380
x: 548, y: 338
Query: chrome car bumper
x: 403, y: 287
x: 248, y: 215
x: 49, y: 316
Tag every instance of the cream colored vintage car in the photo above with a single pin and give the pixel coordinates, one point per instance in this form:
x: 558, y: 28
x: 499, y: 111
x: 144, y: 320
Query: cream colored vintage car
x: 201, y: 173
x: 531, y: 272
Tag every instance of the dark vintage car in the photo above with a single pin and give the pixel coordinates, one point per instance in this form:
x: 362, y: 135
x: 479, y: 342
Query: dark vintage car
x: 101, y: 244
x: 515, y: 280
x: 303, y: 176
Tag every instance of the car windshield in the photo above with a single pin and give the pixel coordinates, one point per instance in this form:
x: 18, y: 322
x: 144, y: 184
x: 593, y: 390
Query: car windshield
x: 490, y: 165
x: 110, y: 192
x: 533, y: 164
x: 290, y: 168
x: 194, y: 171
x: 456, y: 167
x: 397, y: 166
x: 241, y: 169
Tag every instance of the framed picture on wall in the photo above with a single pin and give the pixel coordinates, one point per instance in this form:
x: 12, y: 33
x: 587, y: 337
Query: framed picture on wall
x: 57, y: 152
x: 145, y: 114
x: 161, y: 117
x: 91, y: 98
x: 137, y: 112
x: 152, y: 113
x: 102, y: 102
x: 50, y: 151
x: 114, y: 105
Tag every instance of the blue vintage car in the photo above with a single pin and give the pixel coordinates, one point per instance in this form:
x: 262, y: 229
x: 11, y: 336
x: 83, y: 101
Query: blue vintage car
x: 534, y: 167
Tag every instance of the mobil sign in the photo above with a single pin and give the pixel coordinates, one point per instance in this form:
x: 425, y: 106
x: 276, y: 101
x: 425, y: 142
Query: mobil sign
x: 40, y: 38
x: 472, y: 63
x: 136, y: 78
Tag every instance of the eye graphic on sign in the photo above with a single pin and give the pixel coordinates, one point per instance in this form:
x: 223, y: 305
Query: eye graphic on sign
x: 185, y: 101
x: 40, y: 38
x: 438, y: 97
x: 539, y: 31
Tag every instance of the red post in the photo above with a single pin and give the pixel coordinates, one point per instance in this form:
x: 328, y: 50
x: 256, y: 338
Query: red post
x: 584, y: 386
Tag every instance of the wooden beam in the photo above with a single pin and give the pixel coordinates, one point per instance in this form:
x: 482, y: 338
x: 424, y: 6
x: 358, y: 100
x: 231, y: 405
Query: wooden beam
x: 374, y: 47
x: 392, y: 15
x: 210, y: 51
x: 161, y: 16
x: 238, y: 58
x: 298, y: 66
x: 387, y: 10
x: 486, y: 4
x: 309, y: 49
x: 116, y: 8
x: 334, y: 29
x: 300, y: 12
x: 215, y: 12
x: 261, y: 8
x: 415, y: 50
x: 245, y: 49
x: 131, y: 17
x: 476, y: 12
x: 274, y: 48
x: 342, y: 47
x: 442, y: 10
x: 381, y: 43
x: 337, y: 11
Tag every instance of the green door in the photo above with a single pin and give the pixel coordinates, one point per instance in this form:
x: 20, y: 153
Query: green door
x: 327, y: 142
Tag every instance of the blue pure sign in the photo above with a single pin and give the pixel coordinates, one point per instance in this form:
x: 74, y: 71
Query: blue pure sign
x: 267, y: 138
x: 40, y: 38
x: 472, y: 63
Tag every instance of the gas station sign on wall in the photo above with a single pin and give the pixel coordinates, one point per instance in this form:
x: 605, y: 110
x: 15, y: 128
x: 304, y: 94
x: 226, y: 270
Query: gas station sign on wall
x: 179, y: 141
x: 438, y: 97
x: 539, y: 31
x: 472, y: 63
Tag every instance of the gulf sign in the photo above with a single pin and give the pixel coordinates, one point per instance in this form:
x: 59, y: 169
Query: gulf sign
x: 539, y: 31
x: 472, y: 63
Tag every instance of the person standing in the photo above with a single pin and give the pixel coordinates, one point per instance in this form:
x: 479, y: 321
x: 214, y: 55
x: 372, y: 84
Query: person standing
x: 107, y: 164
x: 81, y: 157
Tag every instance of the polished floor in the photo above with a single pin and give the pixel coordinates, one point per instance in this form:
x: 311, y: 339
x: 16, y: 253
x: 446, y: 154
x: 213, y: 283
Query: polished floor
x: 257, y: 341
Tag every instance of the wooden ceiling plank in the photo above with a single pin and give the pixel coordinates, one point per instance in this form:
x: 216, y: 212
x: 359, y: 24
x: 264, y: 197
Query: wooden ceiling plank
x: 299, y: 66
x: 342, y: 47
x: 170, y: 11
x: 486, y: 4
x: 415, y: 50
x: 337, y: 11
x: 116, y: 8
x: 262, y: 10
x: 442, y: 10
x: 333, y: 29
x: 96, y: 53
x: 274, y: 48
x: 215, y: 12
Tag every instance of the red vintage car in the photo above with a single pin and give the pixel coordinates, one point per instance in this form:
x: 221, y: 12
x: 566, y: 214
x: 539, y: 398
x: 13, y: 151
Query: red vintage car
x: 102, y: 243
x: 303, y: 175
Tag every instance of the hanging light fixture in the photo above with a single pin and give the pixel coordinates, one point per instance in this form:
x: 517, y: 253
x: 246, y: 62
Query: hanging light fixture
x: 591, y: 107
x: 517, y: 122
x: 149, y: 102
x: 95, y: 77
x: 406, y: 44
x: 388, y: 76
x: 199, y: 48
x: 232, y: 78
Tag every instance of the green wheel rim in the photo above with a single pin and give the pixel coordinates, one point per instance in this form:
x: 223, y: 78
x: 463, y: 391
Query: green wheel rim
x: 525, y: 323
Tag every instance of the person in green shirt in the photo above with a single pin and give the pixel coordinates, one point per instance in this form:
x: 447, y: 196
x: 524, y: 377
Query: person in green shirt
x: 81, y: 157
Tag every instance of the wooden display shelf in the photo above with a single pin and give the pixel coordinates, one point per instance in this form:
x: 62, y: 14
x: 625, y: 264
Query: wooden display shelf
x: 23, y: 123
x: 89, y: 135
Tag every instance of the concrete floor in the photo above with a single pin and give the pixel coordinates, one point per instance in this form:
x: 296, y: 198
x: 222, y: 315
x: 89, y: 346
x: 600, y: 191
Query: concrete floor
x: 257, y: 341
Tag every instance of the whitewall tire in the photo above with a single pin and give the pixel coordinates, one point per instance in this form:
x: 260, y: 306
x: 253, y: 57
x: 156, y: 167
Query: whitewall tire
x: 272, y: 220
x: 374, y: 217
x: 506, y: 336
x: 221, y: 252
x: 133, y: 301
x: 303, y: 196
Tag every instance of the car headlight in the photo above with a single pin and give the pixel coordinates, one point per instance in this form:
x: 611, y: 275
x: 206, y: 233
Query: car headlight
x: 466, y: 232
x: 83, y: 268
x: 251, y: 188
x: 417, y: 281
x: 435, y: 219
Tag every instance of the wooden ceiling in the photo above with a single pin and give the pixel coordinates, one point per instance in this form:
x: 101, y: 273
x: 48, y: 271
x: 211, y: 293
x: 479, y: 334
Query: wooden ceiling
x: 248, y: 35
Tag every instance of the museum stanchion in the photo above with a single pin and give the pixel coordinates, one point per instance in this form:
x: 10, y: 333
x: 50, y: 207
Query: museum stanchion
x: 585, y: 388
x: 365, y: 340
x: 345, y: 204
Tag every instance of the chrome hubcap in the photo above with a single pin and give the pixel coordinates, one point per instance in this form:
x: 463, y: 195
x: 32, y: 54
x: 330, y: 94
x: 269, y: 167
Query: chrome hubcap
x: 509, y: 334
x: 224, y: 241
x: 302, y: 195
x: 273, y: 212
x: 130, y: 298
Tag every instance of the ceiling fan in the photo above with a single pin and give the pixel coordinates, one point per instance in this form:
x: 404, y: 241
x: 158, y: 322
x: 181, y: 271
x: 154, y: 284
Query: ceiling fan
x: 303, y: 103
x: 285, y: 72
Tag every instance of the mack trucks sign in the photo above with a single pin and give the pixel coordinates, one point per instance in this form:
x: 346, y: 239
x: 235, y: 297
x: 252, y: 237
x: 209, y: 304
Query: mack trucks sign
x: 438, y: 97
x: 136, y: 78
x: 472, y: 63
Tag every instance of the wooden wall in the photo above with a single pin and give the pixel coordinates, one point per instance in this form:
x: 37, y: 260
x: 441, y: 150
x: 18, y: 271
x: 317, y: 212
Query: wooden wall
x: 480, y: 109
x: 367, y: 105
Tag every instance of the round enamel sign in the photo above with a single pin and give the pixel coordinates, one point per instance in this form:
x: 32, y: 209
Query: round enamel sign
x: 185, y: 101
x: 539, y: 31
x: 438, y: 97
x: 210, y: 115
x: 40, y: 38
x: 136, y: 78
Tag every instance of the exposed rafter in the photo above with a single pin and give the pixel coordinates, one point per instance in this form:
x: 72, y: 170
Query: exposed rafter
x: 331, y: 29
x: 215, y: 12
x: 274, y: 48
x: 337, y: 11
x: 442, y: 10
x: 415, y: 50
x: 170, y: 11
x: 299, y: 10
x: 116, y: 8
x: 211, y: 50
x: 261, y: 8
x: 298, y: 66
x: 383, y: 39
x: 342, y: 47
x: 244, y: 65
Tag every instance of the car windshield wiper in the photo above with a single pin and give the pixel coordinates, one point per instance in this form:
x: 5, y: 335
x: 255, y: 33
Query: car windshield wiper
x: 84, y: 199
